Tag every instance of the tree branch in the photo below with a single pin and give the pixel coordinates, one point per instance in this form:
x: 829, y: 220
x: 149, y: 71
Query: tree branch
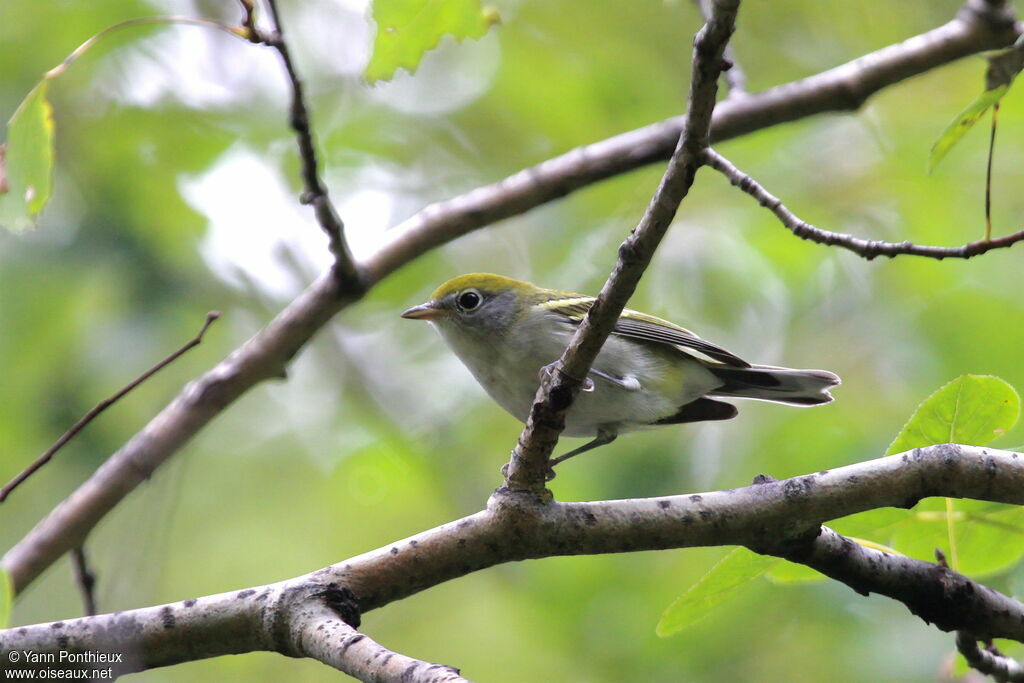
x: 869, y: 249
x: 101, y: 406
x: 979, y: 26
x: 528, y: 467
x: 989, y: 661
x: 85, y: 579
x: 344, y: 266
x: 778, y: 517
x: 735, y: 79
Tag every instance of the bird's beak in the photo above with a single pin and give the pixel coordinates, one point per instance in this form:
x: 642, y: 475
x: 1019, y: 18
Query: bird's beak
x: 427, y: 311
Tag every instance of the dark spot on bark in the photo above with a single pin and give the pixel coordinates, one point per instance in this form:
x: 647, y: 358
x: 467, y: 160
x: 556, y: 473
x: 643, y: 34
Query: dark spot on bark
x: 798, y: 488
x: 394, y: 551
x: 58, y: 624
x: 664, y: 504
x: 167, y: 617
x: 246, y: 593
x: 63, y: 641
x: 190, y: 602
x: 763, y: 479
x: 706, y: 515
x: 561, y: 397
x: 461, y: 542
x: 696, y: 498
x: 823, y: 472
x: 352, y: 641
x: 342, y: 602
x: 414, y: 543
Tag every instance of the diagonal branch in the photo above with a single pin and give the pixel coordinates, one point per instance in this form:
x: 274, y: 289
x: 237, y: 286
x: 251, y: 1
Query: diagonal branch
x: 779, y: 517
x: 316, y: 194
x: 528, y: 467
x: 979, y: 26
x: 103, y: 405
x: 869, y: 249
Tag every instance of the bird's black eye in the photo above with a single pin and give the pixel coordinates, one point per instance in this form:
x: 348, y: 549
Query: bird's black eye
x: 469, y: 300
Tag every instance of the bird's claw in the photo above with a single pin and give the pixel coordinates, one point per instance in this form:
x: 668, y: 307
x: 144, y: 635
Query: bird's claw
x: 545, y: 373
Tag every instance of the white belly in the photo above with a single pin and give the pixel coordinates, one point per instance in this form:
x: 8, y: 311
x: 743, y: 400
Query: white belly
x: 511, y: 379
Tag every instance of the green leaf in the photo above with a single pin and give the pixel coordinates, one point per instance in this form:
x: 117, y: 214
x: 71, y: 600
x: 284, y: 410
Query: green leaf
x: 6, y: 598
x: 789, y: 573
x: 1003, y: 67
x: 407, y: 29
x: 963, y: 123
x: 729, y: 574
x: 972, y: 409
x: 28, y: 167
x: 978, y: 537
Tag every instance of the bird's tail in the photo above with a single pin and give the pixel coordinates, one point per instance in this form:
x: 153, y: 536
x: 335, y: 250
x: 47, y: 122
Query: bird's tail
x: 782, y: 385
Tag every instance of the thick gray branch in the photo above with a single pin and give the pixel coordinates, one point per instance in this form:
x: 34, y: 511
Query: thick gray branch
x: 978, y: 27
x: 780, y: 517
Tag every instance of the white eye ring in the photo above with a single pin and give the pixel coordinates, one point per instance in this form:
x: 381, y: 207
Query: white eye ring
x: 469, y: 300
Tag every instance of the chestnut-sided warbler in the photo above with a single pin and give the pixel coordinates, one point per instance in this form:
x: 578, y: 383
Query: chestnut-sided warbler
x: 647, y: 374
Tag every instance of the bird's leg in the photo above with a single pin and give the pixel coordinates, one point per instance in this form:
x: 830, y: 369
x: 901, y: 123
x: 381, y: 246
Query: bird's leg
x: 604, y: 437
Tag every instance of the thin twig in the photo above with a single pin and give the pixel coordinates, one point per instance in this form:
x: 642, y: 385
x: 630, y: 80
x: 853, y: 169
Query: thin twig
x: 869, y: 249
x: 988, y: 172
x: 85, y: 579
x: 315, y: 193
x: 989, y: 661
x: 100, y: 407
x: 528, y: 467
x: 735, y: 79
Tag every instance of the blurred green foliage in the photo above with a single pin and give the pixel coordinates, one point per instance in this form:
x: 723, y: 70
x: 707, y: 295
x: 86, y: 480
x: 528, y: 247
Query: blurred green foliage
x: 176, y: 193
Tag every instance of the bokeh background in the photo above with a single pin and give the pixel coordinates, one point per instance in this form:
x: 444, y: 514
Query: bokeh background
x: 176, y: 193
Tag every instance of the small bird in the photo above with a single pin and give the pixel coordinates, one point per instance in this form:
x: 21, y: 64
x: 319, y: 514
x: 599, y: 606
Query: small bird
x: 649, y: 372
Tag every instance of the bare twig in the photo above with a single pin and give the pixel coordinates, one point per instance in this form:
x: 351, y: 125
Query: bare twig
x: 979, y: 26
x: 735, y: 79
x: 869, y: 249
x: 315, y: 194
x: 528, y: 466
x: 988, y: 171
x: 100, y: 407
x: 778, y: 517
x: 989, y: 661
x: 85, y: 579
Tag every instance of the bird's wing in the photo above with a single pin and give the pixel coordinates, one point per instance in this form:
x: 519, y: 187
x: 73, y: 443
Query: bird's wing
x: 649, y: 328
x: 646, y: 327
